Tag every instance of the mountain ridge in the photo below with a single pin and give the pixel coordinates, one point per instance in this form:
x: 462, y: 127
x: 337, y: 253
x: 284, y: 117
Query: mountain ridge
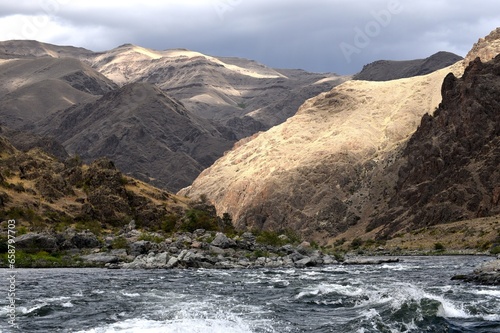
x: 385, y: 70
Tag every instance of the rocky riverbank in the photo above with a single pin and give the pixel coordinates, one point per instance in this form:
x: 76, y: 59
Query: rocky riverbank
x: 133, y: 249
x: 487, y: 273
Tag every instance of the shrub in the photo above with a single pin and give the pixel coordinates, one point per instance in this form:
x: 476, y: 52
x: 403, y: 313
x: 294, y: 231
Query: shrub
x: 119, y: 243
x: 269, y: 238
x: 198, y: 219
x: 151, y: 238
x: 356, y: 243
x: 439, y: 247
x: 169, y: 223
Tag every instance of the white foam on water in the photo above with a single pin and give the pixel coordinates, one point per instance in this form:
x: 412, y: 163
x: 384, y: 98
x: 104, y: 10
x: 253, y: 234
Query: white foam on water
x: 495, y: 293
x: 176, y: 326
x: 325, y: 289
x: 449, y: 310
x: 67, y: 305
x: 25, y: 310
x: 131, y: 294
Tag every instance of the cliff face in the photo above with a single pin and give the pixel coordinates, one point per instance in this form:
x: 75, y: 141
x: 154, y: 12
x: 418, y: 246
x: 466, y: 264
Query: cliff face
x: 450, y: 166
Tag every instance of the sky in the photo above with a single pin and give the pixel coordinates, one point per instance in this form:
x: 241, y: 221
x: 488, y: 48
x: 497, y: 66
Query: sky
x: 315, y: 35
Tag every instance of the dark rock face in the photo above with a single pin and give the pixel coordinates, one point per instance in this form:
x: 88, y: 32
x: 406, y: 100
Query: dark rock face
x: 451, y: 163
x: 34, y: 242
x: 385, y: 70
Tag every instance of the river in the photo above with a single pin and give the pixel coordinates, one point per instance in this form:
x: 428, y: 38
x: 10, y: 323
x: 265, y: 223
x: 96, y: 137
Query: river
x: 413, y: 295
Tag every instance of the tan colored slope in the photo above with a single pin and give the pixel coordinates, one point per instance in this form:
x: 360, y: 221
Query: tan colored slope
x: 308, y: 172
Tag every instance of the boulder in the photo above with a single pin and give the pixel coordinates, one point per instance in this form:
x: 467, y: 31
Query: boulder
x: 487, y: 273
x: 85, y: 240
x: 140, y: 247
x: 306, y: 262
x: 222, y: 241
x: 172, y: 262
x: 34, y: 242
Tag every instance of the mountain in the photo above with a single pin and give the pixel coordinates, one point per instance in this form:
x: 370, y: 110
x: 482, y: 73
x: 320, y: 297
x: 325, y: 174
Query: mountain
x: 449, y: 168
x: 312, y: 173
x: 345, y: 166
x: 15, y: 49
x: 209, y: 103
x: 239, y: 91
x: 33, y: 88
x: 385, y: 70
x: 145, y: 132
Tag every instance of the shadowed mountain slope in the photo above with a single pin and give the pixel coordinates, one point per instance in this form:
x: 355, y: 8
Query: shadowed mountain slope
x: 148, y: 134
x: 33, y: 88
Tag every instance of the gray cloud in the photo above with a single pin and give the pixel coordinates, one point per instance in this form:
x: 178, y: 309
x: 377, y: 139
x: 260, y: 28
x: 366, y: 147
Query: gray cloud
x: 317, y: 35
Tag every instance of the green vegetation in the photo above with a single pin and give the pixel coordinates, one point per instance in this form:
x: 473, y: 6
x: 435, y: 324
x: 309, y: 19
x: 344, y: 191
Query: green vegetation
x: 275, y: 238
x: 119, y: 243
x: 356, y: 243
x: 151, y: 238
x: 41, y: 259
x: 169, y: 223
x: 439, y: 247
x: 198, y: 219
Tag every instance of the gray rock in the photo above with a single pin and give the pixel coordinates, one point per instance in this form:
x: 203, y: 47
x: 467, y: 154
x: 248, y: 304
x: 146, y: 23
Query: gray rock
x: 306, y: 262
x: 328, y: 260
x: 288, y: 249
x: 140, y: 247
x: 215, y: 250
x: 487, y: 273
x: 172, y: 262
x: 223, y: 241
x: 85, y: 240
x: 173, y: 250
x: 34, y: 242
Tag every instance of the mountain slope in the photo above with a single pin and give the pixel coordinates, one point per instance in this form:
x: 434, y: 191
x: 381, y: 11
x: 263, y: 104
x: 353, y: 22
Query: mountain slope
x: 43, y: 193
x: 385, y: 70
x: 33, y: 88
x: 449, y: 167
x: 311, y: 173
x: 147, y: 134
x: 224, y: 89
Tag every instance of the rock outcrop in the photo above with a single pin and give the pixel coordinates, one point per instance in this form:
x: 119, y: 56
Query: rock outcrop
x: 487, y: 273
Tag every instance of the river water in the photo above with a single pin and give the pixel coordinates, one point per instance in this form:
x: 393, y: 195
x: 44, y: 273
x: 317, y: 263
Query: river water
x: 414, y: 295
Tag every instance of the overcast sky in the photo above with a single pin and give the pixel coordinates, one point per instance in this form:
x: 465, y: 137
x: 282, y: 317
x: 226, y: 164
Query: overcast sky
x: 316, y: 35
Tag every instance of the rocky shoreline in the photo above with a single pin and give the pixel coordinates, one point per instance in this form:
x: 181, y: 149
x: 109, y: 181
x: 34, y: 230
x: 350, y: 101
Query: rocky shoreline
x: 487, y: 273
x: 132, y: 249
